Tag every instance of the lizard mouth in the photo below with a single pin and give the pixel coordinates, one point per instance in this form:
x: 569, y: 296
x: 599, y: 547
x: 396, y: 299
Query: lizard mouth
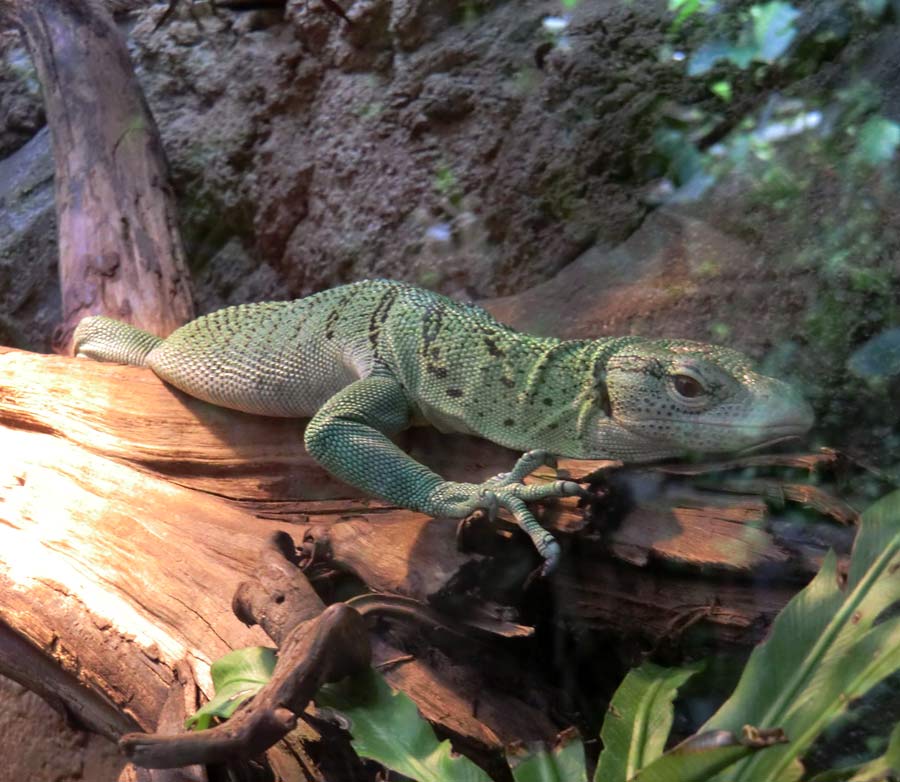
x: 779, y: 431
x: 767, y: 444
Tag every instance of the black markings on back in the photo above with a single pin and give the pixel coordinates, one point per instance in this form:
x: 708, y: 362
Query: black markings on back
x: 331, y: 322
x: 456, y: 393
x: 509, y: 422
x: 335, y: 314
x: 379, y: 316
x: 432, y: 324
x: 601, y: 391
x: 604, y: 401
x: 493, y: 349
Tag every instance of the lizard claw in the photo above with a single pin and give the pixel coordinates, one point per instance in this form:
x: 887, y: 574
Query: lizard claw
x: 551, y: 556
x: 571, y: 489
x: 490, y: 503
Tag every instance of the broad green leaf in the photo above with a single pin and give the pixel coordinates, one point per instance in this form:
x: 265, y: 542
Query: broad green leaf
x: 237, y: 676
x: 386, y: 727
x: 773, y: 29
x: 878, y: 140
x: 823, y: 650
x: 841, y: 677
x: 638, y: 721
x: 564, y: 763
x: 697, y: 759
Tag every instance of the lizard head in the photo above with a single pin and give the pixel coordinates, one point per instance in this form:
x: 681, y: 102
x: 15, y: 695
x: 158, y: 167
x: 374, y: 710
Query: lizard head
x: 668, y: 398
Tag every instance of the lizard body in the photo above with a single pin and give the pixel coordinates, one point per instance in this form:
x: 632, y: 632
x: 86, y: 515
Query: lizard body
x: 369, y: 359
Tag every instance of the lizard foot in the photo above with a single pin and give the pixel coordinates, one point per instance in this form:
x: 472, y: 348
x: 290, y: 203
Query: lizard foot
x: 506, y: 490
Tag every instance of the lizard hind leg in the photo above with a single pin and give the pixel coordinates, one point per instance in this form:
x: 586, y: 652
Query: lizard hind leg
x: 106, y: 339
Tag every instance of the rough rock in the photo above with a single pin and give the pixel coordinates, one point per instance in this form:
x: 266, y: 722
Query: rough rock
x: 39, y: 746
x: 21, y: 109
x: 29, y: 292
x: 425, y: 142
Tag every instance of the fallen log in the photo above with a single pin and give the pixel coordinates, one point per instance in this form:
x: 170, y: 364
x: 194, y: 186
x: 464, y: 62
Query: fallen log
x: 129, y: 514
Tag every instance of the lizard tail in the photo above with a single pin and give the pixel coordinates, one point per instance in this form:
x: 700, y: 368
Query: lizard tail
x: 105, y: 339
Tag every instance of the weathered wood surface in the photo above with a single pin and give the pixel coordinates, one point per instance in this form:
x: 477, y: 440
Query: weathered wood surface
x: 129, y: 513
x: 116, y: 574
x: 119, y: 246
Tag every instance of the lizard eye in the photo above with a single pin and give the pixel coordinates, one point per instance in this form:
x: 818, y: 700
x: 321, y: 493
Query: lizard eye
x: 687, y: 386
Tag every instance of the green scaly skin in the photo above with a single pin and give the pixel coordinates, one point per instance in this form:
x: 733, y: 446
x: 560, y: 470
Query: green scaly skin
x: 369, y: 359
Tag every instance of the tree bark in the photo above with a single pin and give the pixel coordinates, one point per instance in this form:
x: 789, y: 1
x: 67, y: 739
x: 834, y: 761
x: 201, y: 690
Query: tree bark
x: 129, y: 514
x: 120, y: 250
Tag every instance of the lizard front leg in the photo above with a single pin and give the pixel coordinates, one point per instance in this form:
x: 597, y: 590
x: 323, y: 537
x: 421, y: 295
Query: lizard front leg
x: 349, y: 436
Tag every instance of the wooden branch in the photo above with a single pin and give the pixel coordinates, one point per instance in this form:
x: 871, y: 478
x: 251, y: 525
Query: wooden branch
x: 130, y: 513
x: 120, y: 251
x: 114, y: 573
x: 314, y: 652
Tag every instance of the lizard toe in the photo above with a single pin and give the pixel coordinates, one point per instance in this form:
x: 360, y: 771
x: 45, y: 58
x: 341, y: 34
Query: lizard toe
x: 489, y: 502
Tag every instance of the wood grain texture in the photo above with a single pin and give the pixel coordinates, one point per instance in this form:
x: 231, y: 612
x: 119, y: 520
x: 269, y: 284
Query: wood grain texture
x: 120, y: 253
x: 130, y: 513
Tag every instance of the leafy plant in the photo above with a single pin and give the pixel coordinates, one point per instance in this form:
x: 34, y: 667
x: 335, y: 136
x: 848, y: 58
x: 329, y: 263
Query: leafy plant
x: 562, y: 763
x: 826, y: 648
x: 237, y: 676
x: 639, y: 719
x: 386, y: 727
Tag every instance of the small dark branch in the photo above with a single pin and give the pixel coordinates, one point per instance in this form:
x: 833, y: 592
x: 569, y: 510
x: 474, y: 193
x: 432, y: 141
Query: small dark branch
x: 315, y: 652
x: 280, y: 597
x: 398, y: 607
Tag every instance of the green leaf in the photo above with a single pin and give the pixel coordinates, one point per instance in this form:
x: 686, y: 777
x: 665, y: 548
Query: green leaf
x: 878, y: 140
x: 685, y: 9
x: 638, y: 721
x: 564, y: 763
x: 773, y: 29
x: 386, y: 727
x: 823, y: 650
x: 697, y: 759
x: 722, y: 89
x: 237, y: 676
